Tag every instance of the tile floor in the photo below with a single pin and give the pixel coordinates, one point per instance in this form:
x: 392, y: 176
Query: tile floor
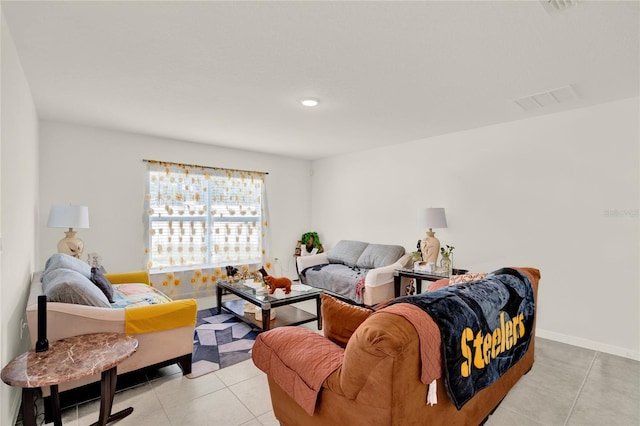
x: 567, y: 385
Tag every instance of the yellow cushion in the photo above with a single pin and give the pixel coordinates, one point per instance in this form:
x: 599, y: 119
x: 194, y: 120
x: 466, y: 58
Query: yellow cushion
x: 128, y: 277
x: 164, y: 316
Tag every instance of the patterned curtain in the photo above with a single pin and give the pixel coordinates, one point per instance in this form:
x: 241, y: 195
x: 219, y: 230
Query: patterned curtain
x: 201, y: 217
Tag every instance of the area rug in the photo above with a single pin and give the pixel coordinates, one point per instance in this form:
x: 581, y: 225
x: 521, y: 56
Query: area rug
x: 219, y: 341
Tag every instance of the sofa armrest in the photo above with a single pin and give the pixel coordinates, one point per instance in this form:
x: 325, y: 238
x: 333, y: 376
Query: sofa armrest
x: 305, y: 262
x: 68, y: 319
x: 370, y: 369
x: 383, y: 275
x: 298, y: 360
x: 137, y: 277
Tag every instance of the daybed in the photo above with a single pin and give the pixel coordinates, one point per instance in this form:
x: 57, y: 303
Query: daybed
x: 164, y: 328
x: 354, y: 270
x: 385, y: 371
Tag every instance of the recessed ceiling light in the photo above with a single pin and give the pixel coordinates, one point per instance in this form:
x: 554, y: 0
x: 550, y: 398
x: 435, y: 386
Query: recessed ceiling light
x: 309, y: 102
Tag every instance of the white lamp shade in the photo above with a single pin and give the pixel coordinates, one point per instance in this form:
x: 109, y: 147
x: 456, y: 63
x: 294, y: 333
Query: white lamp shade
x: 432, y: 217
x: 68, y: 216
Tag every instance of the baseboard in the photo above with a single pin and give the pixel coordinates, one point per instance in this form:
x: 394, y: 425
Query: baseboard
x: 588, y: 344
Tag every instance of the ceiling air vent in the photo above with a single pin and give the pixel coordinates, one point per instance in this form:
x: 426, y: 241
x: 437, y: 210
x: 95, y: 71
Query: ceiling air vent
x: 552, y: 6
x: 544, y: 99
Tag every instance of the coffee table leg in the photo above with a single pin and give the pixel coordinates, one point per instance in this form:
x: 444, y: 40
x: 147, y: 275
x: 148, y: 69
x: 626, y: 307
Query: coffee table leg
x: 107, y: 393
x: 319, y: 311
x: 266, y: 319
x: 219, y: 299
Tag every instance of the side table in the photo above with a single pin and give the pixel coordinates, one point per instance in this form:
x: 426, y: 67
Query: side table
x: 419, y: 277
x: 69, y: 359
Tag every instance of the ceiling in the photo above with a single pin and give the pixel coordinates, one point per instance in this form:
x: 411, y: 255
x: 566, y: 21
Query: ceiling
x: 232, y: 73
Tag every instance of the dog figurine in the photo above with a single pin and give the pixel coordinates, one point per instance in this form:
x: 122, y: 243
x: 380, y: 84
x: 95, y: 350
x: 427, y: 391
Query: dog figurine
x: 263, y: 272
x: 231, y: 273
x: 274, y: 283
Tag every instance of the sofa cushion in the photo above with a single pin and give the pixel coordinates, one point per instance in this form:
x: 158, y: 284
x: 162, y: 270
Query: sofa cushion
x: 340, y: 319
x: 102, y: 283
x: 347, y: 252
x: 378, y: 255
x: 61, y: 260
x: 69, y: 286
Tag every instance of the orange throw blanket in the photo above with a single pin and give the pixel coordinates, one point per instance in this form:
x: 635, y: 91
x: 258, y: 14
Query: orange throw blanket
x: 297, y: 371
x: 429, y: 335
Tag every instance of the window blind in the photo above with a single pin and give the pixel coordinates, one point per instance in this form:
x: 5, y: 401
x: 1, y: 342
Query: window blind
x: 198, y: 216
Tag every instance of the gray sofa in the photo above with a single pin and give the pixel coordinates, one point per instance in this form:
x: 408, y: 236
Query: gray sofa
x: 354, y: 270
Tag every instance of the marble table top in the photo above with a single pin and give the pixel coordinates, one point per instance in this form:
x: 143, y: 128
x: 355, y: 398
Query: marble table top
x: 69, y: 359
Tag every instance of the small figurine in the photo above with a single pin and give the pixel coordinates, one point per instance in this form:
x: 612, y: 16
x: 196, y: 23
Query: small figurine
x: 275, y: 283
x: 263, y: 272
x: 231, y: 274
x: 410, y: 289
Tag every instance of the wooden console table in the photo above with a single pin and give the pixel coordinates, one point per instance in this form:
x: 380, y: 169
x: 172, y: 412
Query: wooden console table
x: 69, y: 359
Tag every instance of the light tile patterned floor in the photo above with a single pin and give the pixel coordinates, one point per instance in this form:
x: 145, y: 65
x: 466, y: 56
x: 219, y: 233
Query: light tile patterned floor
x: 566, y: 386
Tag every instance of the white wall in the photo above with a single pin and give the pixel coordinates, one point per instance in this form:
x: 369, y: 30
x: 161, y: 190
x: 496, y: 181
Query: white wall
x: 103, y: 169
x: 556, y: 192
x: 19, y: 209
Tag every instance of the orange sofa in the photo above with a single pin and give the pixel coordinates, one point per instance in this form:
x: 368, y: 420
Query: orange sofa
x: 375, y: 379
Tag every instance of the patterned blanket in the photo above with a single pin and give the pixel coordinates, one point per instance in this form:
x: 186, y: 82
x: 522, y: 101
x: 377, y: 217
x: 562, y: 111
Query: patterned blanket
x: 485, y: 327
x: 128, y: 295
x: 337, y: 278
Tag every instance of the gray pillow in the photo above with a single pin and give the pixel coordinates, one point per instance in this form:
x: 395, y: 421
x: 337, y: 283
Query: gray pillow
x: 102, y: 283
x: 61, y: 260
x: 346, y: 252
x: 378, y: 255
x: 68, y: 286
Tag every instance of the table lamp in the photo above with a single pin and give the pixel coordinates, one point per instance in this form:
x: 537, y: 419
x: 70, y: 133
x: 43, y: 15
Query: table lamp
x: 432, y: 217
x: 68, y: 216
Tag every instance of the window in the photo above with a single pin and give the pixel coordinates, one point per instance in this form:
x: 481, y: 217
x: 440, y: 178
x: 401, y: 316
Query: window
x: 200, y: 216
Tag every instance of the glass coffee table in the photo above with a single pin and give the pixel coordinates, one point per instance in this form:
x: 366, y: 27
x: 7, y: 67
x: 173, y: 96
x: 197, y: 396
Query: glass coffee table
x: 259, y: 297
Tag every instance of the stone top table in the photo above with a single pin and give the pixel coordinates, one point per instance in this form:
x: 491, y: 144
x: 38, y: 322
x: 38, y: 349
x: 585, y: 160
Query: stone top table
x: 69, y: 359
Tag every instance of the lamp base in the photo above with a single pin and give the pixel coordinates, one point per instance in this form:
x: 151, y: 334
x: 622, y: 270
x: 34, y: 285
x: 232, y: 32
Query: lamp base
x: 70, y: 244
x: 430, y: 248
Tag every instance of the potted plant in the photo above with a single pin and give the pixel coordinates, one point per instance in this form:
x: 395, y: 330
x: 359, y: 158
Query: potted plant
x: 446, y: 253
x: 310, y: 240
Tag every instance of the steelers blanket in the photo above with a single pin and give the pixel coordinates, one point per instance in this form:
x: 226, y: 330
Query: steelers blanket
x: 485, y: 326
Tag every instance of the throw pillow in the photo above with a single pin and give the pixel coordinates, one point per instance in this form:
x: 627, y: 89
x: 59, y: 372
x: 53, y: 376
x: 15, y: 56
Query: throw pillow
x: 346, y: 252
x: 378, y: 255
x: 62, y: 260
x: 341, y: 319
x: 466, y: 278
x: 102, y: 282
x: 68, y: 286
x: 436, y: 285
